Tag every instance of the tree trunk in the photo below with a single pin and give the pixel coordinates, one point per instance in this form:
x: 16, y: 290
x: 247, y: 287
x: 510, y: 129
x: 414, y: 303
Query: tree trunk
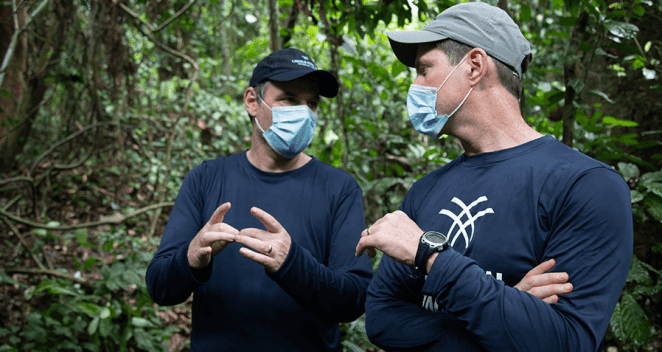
x: 12, y: 129
x: 31, y: 81
x: 571, y: 77
x: 274, y: 38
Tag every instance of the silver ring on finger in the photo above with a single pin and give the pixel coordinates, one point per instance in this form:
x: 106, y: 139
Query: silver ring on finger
x: 368, y: 231
x: 270, y: 248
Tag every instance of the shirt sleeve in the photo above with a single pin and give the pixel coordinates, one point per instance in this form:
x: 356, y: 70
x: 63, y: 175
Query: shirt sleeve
x: 334, y: 292
x: 170, y: 279
x: 590, y: 238
x: 396, y: 321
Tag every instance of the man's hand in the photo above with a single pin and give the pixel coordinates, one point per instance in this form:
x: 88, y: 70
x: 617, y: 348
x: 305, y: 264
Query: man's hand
x: 395, y: 234
x: 271, y: 246
x: 211, y: 239
x: 546, y: 286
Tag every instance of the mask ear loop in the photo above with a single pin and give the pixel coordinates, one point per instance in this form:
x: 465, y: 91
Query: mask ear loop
x: 258, y: 124
x: 462, y: 103
x: 450, y: 74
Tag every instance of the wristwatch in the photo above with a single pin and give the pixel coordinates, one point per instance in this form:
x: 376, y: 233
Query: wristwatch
x: 431, y: 242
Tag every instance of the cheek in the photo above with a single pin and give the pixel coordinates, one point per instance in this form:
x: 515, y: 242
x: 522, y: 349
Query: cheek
x: 265, y: 118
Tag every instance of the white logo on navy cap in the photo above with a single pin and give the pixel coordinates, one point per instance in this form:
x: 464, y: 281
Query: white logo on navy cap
x: 305, y: 62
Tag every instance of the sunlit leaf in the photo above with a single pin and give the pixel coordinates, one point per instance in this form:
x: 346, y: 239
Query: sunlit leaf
x: 654, y: 207
x: 628, y: 170
x: 141, y: 322
x: 600, y: 94
x: 622, y: 29
x: 610, y: 120
x: 92, y: 328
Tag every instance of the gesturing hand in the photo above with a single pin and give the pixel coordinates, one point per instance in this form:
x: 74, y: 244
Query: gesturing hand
x: 395, y: 234
x: 546, y: 286
x: 272, y: 246
x: 211, y: 239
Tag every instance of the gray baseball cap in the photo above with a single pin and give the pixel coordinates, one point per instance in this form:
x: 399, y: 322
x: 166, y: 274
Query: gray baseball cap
x: 475, y: 24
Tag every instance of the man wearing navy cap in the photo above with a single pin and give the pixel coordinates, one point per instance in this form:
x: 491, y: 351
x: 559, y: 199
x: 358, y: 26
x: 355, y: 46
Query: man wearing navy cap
x: 277, y: 271
x: 468, y: 232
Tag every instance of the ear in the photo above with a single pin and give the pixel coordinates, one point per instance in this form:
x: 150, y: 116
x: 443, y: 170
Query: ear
x: 479, y: 63
x: 251, y: 101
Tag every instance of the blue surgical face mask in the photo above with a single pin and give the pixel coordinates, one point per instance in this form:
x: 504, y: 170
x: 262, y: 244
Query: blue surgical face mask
x: 292, y: 129
x: 422, y: 107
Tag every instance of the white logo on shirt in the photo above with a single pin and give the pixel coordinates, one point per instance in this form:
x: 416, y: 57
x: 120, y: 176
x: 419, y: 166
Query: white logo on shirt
x: 462, y: 226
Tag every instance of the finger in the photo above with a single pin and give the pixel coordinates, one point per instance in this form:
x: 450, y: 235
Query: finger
x: 548, y: 279
x: 360, y: 247
x: 529, y: 282
x: 211, y: 237
x: 551, y: 290
x: 542, y: 268
x: 219, y: 213
x: 366, y: 245
x: 551, y: 299
x: 253, y: 233
x: 223, y: 227
x: 259, y: 258
x: 269, y: 222
x: 256, y: 244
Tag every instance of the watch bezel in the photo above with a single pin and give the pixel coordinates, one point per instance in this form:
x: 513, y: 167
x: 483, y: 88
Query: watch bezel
x: 434, y: 244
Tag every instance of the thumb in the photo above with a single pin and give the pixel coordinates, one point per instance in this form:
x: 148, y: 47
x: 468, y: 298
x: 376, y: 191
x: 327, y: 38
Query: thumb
x: 219, y: 213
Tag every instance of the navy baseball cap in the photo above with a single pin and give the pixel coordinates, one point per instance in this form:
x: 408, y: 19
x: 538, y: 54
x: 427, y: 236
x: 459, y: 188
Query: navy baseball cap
x: 475, y: 24
x: 289, y: 64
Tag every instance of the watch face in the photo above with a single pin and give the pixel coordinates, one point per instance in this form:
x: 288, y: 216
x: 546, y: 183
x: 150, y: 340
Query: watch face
x: 435, y: 238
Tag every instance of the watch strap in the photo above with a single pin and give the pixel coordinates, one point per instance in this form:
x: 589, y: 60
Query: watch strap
x: 425, y: 250
x: 422, y: 255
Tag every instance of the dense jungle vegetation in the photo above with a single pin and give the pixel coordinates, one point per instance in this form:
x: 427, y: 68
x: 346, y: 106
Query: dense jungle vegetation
x: 106, y: 105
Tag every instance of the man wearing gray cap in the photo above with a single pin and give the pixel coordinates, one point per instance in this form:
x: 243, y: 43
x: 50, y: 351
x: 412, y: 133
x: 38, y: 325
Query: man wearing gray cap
x: 277, y: 271
x: 468, y: 232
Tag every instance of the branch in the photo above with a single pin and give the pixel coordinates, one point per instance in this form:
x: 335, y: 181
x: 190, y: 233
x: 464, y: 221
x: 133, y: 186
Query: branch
x: 49, y: 272
x: 162, y: 25
x: 116, y: 219
x: 168, y: 49
x: 179, y: 13
x: 136, y: 16
x: 58, y: 144
x: 14, y: 37
x: 29, y: 117
x: 25, y: 244
x: 17, y: 179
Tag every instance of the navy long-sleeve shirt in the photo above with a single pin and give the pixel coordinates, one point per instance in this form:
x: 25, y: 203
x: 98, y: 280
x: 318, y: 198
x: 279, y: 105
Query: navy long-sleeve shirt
x: 237, y: 305
x: 506, y: 212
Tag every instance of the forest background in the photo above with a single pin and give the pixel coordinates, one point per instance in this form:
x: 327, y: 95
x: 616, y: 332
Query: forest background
x: 106, y: 105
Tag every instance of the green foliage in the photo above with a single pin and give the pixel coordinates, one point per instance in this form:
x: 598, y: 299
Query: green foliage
x: 356, y: 340
x: 110, y: 314
x: 159, y: 123
x: 630, y: 322
x: 645, y: 193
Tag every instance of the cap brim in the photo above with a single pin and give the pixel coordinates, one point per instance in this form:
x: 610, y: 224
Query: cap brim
x: 405, y: 43
x: 326, y: 81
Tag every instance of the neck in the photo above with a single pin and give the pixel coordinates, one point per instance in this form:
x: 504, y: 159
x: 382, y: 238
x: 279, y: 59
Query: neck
x: 489, y: 125
x: 263, y: 157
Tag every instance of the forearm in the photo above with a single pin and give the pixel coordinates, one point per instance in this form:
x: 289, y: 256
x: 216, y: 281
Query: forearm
x: 169, y: 278
x: 503, y: 318
x: 334, y: 295
x: 396, y: 321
